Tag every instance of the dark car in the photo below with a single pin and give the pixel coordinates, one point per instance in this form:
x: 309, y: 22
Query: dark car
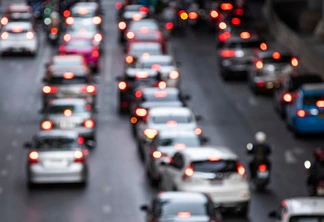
x: 132, y: 79
x: 181, y: 206
x: 290, y: 84
x: 234, y: 21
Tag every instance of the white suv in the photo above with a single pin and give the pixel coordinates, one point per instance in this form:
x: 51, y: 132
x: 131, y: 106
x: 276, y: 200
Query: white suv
x: 215, y: 171
x: 305, y: 209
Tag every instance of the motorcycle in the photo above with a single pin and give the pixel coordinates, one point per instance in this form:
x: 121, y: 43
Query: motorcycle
x: 318, y: 188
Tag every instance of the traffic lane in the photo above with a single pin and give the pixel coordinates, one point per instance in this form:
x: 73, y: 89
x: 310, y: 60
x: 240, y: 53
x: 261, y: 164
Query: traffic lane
x: 227, y: 109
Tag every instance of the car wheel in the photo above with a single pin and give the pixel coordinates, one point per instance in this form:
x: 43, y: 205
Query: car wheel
x: 244, y: 212
x: 30, y: 185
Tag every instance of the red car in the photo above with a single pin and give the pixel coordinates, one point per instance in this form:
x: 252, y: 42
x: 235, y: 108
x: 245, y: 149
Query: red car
x: 146, y: 35
x: 82, y: 46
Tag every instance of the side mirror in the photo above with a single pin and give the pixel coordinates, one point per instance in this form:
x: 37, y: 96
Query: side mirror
x: 273, y: 214
x: 205, y: 140
x: 27, y: 145
x: 199, y: 118
x: 144, y: 208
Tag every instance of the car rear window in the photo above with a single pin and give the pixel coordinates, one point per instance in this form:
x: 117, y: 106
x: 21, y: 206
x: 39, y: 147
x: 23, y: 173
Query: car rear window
x: 297, y: 82
x: 189, y: 141
x: 20, y: 16
x: 63, y: 81
x: 83, y: 13
x: 222, y: 166
x: 68, y: 62
x: 171, y: 209
x: 80, y: 27
x: 43, y: 143
x: 144, y: 24
x: 311, y: 100
x: 250, y: 44
x: 60, y: 109
x: 177, y: 119
x: 79, y: 44
x: 139, y: 52
x: 283, y: 59
x: 147, y: 36
x: 309, y: 218
x: 149, y: 64
x: 160, y: 97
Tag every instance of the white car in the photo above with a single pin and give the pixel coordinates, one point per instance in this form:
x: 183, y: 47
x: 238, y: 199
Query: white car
x: 165, y: 64
x: 215, y: 171
x: 18, y: 37
x: 304, y: 209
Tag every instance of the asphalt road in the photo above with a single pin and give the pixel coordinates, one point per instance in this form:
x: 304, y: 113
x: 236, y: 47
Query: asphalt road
x: 118, y: 184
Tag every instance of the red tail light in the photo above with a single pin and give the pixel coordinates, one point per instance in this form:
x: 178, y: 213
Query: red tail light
x: 4, y: 21
x: 301, y: 113
x: 91, y: 89
x: 224, y: 36
x: 130, y: 35
x: 263, y: 46
x: 122, y: 25
x: 66, y: 13
x: 227, y: 53
x: 46, y: 125
x: 260, y: 84
x: 287, y: 97
x: 4, y: 35
x: 62, y: 48
x: 320, y: 104
x: 259, y: 64
x: 140, y: 112
x: 95, y: 54
x: 184, y: 214
x: 294, y: 62
x: 69, y: 21
x: 174, y: 75
x: 118, y: 5
x: 241, y: 170
x: 214, y: 14
x: 78, y: 156
x: 162, y: 85
x: 122, y: 85
x: 226, y: 6
x: 81, y: 140
x: 238, y: 11
x: 33, y: 157
x: 67, y: 37
x: 193, y: 15
x: 129, y: 59
x: 236, y: 21
x: 262, y: 168
x: 188, y: 172
x: 150, y: 133
x: 169, y: 25
x: 138, y: 94
x: 97, y: 20
x: 49, y: 89
x: 157, y: 154
x: 89, y: 124
x: 276, y: 55
x: 98, y: 37
x: 144, y: 10
x: 54, y: 31
x: 222, y: 25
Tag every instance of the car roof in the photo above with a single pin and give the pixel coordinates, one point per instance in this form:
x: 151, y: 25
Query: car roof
x: 204, y: 153
x: 168, y: 90
x: 177, y: 133
x: 169, y: 111
x: 56, y: 133
x: 305, y: 205
x: 145, y: 45
x: 158, y: 58
x: 313, y: 87
x: 91, y: 6
x: 182, y: 196
x: 131, y: 72
x: 19, y: 7
x: 24, y: 25
x: 73, y: 101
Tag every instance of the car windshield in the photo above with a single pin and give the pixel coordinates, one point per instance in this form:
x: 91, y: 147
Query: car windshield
x: 63, y: 81
x: 68, y: 62
x: 71, y: 109
x: 140, y: 51
x: 309, y: 218
x: 221, y: 166
x: 249, y: 44
x: 172, y: 119
x: 171, y: 209
x: 296, y: 83
x: 79, y: 44
x: 147, y: 36
x: 43, y: 143
x: 312, y: 99
x: 144, y: 24
x: 160, y: 96
x: 189, y: 141
x: 282, y: 59
x: 149, y: 64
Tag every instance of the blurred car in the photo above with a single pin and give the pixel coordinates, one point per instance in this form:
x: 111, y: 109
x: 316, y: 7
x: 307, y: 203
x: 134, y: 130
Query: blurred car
x: 130, y: 81
x: 70, y: 114
x: 56, y: 156
x: 165, y: 118
x: 232, y: 22
x: 150, y: 97
x: 86, y: 30
x: 83, y: 46
x: 84, y: 11
x: 66, y: 63
x: 18, y: 13
x: 19, y: 37
x: 215, y: 171
x: 291, y: 83
x: 264, y: 75
x: 299, y: 209
x: 164, y: 64
x: 237, y: 54
x: 144, y: 25
x: 164, y: 145
x: 133, y: 8
x: 180, y: 207
x: 130, y: 15
x: 144, y: 36
x: 141, y: 49
x: 305, y: 114
x: 76, y: 84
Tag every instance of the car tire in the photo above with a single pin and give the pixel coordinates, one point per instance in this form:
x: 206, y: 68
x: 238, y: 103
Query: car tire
x: 83, y: 184
x: 30, y: 185
x: 154, y: 182
x: 244, y: 212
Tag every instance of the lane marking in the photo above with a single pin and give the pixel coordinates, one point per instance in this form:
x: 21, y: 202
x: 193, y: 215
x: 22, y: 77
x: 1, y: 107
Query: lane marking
x: 106, y: 189
x: 14, y: 143
x: 4, y: 172
x: 9, y: 157
x: 106, y: 209
x: 289, y: 157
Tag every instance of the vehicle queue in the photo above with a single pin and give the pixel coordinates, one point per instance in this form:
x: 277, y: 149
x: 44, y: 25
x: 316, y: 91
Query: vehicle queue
x: 197, y: 177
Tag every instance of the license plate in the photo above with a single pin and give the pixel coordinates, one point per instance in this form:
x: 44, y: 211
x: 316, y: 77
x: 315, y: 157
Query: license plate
x: 264, y: 174
x: 320, y: 191
x: 216, y: 182
x: 67, y: 124
x: 55, y: 163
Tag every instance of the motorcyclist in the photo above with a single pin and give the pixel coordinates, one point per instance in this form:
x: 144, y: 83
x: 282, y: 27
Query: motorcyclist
x: 316, y: 170
x: 260, y: 150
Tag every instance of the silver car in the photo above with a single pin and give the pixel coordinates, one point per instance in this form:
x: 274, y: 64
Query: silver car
x: 85, y: 11
x: 56, y: 156
x: 165, y: 64
x: 70, y: 114
x: 18, y: 37
x: 141, y: 49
